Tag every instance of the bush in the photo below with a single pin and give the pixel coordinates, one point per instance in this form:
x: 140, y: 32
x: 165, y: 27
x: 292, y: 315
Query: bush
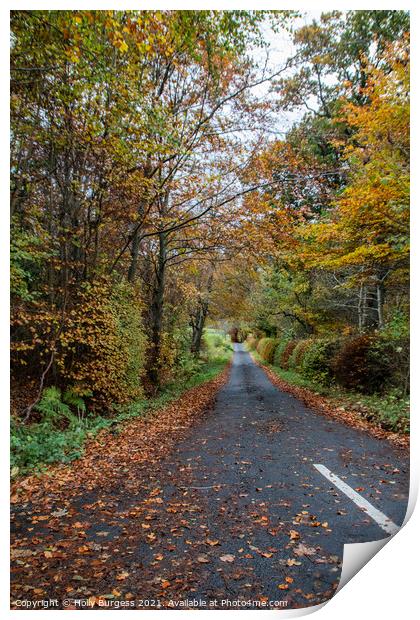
x: 296, y: 358
x: 358, y: 366
x: 179, y: 364
x: 389, y: 410
x: 217, y: 347
x: 98, y: 342
x: 187, y: 365
x: 251, y: 342
x: 317, y: 362
x: 55, y: 408
x: 278, y: 353
x: 286, y: 353
x: 102, y: 347
x: 391, y: 346
x: 266, y: 348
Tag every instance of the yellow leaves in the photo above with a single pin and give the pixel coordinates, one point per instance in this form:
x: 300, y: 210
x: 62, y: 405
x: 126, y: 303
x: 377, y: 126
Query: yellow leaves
x: 122, y: 576
x: 73, y: 53
x: 367, y: 224
x: 294, y: 535
x: 119, y: 42
x: 14, y: 471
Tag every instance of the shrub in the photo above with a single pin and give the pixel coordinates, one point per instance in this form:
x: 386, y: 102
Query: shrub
x: 286, y: 353
x: 55, y: 408
x: 102, y: 346
x: 296, y: 358
x: 98, y: 342
x: 357, y: 366
x: 218, y: 341
x: 128, y: 308
x: 317, y: 362
x: 391, y: 346
x: 389, y: 410
x: 187, y: 365
x: 266, y: 348
x: 279, y: 351
x: 251, y: 342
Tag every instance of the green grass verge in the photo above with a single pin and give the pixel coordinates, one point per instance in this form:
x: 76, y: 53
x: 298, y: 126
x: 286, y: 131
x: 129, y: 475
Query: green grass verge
x: 35, y: 446
x: 391, y: 411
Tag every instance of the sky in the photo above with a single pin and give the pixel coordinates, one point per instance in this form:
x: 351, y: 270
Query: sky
x: 281, y: 48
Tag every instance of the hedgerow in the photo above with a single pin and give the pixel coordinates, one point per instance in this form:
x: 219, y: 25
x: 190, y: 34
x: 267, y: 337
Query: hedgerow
x: 296, y: 358
x: 317, y: 362
x: 266, y: 348
x: 357, y: 366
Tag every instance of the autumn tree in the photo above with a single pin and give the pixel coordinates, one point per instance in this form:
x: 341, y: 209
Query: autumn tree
x: 126, y: 155
x: 368, y: 232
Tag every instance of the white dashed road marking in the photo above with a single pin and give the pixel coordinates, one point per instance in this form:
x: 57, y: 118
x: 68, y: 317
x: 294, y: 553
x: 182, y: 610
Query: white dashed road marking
x: 382, y: 520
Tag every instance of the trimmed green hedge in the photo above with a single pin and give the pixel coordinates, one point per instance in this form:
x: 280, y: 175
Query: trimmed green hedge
x: 296, y: 358
x: 318, y: 360
x: 266, y: 348
x: 278, y: 353
x: 368, y: 363
x: 252, y: 342
x: 312, y: 358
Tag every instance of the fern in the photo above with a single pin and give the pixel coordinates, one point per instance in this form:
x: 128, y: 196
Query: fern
x: 70, y: 397
x: 52, y: 407
x: 56, y: 407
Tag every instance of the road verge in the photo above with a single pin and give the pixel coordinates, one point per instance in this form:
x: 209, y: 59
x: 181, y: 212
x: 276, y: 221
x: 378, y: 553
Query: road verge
x: 333, y: 408
x: 113, y: 454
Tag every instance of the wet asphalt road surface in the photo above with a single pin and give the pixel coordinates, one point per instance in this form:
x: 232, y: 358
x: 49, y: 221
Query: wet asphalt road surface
x: 239, y: 509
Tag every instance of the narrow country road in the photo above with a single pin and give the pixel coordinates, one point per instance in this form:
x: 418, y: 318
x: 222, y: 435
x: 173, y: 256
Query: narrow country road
x: 240, y: 509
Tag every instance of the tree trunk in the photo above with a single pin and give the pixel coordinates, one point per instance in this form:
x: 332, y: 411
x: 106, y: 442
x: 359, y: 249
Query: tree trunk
x: 157, y: 314
x: 135, y: 243
x: 198, y: 318
x: 197, y: 323
x: 379, y: 304
x: 380, y: 296
x: 361, y: 308
x: 135, y: 248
